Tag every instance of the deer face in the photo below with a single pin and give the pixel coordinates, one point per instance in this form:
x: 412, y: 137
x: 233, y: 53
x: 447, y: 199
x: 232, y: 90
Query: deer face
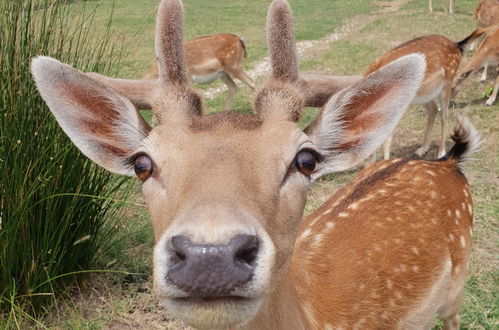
x: 217, y: 193
x: 226, y: 191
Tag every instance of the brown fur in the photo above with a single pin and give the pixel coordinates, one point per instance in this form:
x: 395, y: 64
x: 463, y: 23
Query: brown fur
x: 487, y: 53
x: 375, y: 280
x: 487, y: 13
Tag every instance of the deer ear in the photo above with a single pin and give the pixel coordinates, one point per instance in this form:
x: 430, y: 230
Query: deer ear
x: 103, y: 124
x: 358, y: 119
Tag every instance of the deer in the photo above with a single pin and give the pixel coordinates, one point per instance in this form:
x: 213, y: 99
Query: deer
x: 209, y: 58
x: 232, y: 250
x: 443, y: 58
x: 487, y: 53
x: 486, y: 14
x: 451, y: 5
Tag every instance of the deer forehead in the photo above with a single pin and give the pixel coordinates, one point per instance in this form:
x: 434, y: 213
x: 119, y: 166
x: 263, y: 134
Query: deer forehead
x: 226, y: 147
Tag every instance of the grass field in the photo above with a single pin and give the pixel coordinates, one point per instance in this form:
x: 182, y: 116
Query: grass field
x: 125, y: 301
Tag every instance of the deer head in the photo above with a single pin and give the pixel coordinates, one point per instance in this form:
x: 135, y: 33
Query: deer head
x: 226, y: 191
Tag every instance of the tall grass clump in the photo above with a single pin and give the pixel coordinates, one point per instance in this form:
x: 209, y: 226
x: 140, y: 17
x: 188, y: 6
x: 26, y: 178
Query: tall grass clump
x: 56, y: 209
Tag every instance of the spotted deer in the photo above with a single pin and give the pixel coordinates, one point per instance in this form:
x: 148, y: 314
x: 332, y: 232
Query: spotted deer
x: 487, y: 53
x: 443, y: 58
x: 389, y: 250
x: 452, y: 4
x: 486, y: 14
x: 217, y: 56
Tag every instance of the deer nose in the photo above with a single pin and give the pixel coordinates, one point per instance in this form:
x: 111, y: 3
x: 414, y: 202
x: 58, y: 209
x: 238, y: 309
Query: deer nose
x: 212, y: 270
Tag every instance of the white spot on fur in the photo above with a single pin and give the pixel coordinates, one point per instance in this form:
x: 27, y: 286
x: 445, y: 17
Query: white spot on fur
x: 466, y: 193
x: 415, y: 269
x: 329, y: 225
x: 470, y: 209
x: 343, y: 215
x: 353, y: 206
x: 327, y: 211
x: 433, y: 194
x: 430, y: 172
x: 305, y: 233
x: 358, y: 324
x: 389, y: 284
x: 449, y: 213
x: 309, y: 313
x: 415, y: 250
x: 463, y: 242
x: 458, y: 213
x: 451, y: 237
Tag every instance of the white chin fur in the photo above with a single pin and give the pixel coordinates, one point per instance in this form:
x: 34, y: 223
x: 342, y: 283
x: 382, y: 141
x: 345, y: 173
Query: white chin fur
x: 214, y: 314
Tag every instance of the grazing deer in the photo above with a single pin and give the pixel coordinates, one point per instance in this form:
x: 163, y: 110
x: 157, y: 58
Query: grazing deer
x: 487, y: 53
x: 442, y: 62
x: 451, y: 5
x: 226, y: 193
x: 486, y: 14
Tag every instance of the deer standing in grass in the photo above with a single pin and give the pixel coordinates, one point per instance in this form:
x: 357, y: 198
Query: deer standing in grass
x: 208, y: 58
x: 226, y: 193
x: 487, y: 53
x: 443, y: 57
x: 486, y: 14
x: 452, y: 4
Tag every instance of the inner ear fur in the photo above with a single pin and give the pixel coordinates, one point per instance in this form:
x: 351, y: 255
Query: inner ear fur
x: 102, y: 123
x: 359, y: 118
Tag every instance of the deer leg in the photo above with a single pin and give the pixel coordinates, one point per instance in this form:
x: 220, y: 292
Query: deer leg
x: 430, y: 5
x: 450, y: 315
x: 483, y: 77
x: 231, y: 86
x: 241, y: 75
x: 386, y: 147
x: 431, y: 110
x: 451, y: 6
x: 493, y: 96
x: 444, y: 104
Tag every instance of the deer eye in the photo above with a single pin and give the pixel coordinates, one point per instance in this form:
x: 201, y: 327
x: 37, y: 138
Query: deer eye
x: 306, y: 162
x: 143, y: 167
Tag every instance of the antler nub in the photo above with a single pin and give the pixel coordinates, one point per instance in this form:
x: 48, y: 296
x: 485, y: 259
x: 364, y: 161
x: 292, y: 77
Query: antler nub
x: 280, y: 98
x: 169, y: 43
x: 177, y: 97
x: 281, y: 43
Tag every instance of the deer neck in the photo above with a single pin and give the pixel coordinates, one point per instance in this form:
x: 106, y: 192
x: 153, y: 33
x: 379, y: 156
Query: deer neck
x: 282, y: 311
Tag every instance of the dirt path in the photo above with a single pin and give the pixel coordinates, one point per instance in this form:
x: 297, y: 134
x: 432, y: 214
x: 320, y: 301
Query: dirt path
x: 309, y: 48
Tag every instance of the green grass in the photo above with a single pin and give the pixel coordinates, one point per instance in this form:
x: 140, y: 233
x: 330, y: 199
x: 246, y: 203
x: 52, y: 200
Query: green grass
x: 56, y: 207
x: 126, y: 300
x: 135, y: 21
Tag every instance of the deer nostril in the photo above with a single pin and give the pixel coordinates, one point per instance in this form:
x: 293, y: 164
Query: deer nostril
x: 180, y: 246
x: 248, y: 252
x: 180, y: 255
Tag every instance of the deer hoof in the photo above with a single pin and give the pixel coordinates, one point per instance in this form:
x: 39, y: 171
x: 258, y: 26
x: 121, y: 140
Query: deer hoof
x: 421, y: 151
